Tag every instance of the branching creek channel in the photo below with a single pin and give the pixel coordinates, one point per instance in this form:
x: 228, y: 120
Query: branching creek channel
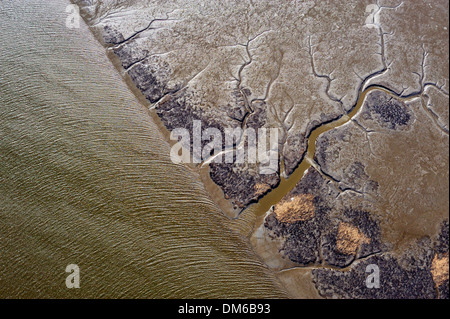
x: 287, y: 184
x: 263, y: 205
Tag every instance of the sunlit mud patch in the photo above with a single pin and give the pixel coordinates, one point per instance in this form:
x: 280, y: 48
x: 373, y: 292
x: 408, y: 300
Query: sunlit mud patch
x: 261, y: 189
x: 297, y: 208
x: 350, y: 238
x: 439, y: 269
x: 352, y: 235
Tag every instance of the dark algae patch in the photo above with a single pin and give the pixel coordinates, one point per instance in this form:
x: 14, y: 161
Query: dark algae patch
x: 420, y: 272
x: 391, y: 113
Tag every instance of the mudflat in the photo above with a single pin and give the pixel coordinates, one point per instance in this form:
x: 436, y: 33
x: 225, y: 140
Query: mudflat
x: 358, y: 92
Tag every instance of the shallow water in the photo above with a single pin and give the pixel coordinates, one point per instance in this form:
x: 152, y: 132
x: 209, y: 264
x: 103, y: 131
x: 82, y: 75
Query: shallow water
x: 86, y: 179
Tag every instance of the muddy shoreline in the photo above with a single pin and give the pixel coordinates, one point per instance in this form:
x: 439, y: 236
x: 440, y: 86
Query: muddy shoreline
x: 349, y: 216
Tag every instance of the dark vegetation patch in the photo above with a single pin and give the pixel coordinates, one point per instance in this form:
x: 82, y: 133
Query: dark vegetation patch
x: 112, y: 36
x: 305, y: 239
x: 240, y: 186
x: 391, y: 112
x: 407, y: 276
x: 396, y: 282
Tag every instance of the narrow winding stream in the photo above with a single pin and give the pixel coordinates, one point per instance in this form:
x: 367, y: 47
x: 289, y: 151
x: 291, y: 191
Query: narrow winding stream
x: 287, y: 184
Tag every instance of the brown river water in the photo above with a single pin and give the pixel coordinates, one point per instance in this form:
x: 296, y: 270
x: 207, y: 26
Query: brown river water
x: 86, y: 179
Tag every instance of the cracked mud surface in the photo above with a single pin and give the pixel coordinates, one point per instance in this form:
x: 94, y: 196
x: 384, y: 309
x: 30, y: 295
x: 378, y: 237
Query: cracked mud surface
x: 377, y: 189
